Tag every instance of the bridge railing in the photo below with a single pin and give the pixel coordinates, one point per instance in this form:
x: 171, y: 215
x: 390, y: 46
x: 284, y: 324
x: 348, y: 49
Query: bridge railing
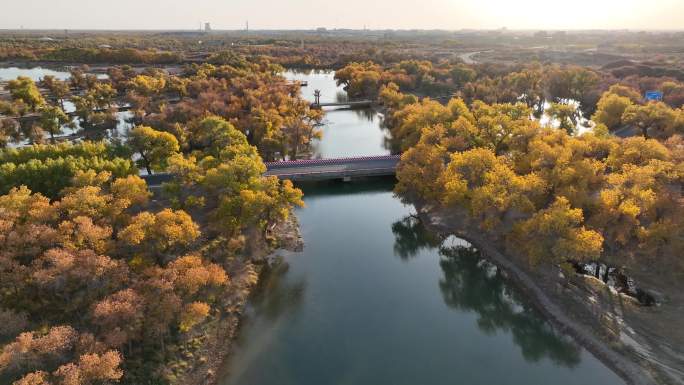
x: 328, y: 161
x: 158, y: 179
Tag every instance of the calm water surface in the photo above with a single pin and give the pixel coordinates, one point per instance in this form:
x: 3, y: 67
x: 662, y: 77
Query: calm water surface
x: 373, y: 299
x: 36, y: 73
x: 345, y: 132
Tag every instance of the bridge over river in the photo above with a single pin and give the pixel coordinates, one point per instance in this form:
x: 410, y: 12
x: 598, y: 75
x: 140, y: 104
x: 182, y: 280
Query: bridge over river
x: 317, y: 169
x: 341, y: 168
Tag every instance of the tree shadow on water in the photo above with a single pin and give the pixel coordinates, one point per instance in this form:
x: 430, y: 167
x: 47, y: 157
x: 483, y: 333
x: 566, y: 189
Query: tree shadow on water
x: 410, y: 237
x: 275, y: 295
x: 470, y: 283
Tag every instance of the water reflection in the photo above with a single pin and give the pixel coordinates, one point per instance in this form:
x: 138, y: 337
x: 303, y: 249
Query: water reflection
x: 275, y: 295
x: 341, y: 96
x: 367, y: 113
x: 470, y: 283
x: 411, y: 237
x: 351, y: 132
x: 369, y: 187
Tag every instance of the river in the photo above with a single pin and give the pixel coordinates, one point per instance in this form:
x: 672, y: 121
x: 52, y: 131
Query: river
x: 374, y: 299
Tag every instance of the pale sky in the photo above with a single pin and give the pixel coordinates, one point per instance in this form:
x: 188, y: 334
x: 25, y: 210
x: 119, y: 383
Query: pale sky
x: 375, y: 14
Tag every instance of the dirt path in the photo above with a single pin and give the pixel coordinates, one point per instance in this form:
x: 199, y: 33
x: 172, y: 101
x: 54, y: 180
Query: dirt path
x: 468, y: 57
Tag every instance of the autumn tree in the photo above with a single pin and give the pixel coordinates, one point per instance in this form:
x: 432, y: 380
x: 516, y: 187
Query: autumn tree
x: 419, y: 173
x: 120, y: 317
x: 638, y: 207
x: 360, y: 79
x: 164, y: 232
x: 92, y: 369
x: 59, y: 89
x: 610, y: 109
x: 529, y: 85
x: 488, y: 187
x: 33, y: 350
x: 556, y: 234
x: 654, y: 118
x: 25, y: 90
x: 573, y: 83
x: 565, y: 114
x: 52, y: 118
x: 154, y: 147
x: 71, y: 280
x: 498, y: 125
x: 462, y: 74
x: 193, y: 314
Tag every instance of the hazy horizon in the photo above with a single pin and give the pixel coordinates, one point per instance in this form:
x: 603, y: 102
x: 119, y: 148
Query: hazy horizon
x: 353, y: 14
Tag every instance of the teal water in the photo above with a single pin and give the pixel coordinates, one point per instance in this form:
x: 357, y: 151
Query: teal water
x: 373, y: 299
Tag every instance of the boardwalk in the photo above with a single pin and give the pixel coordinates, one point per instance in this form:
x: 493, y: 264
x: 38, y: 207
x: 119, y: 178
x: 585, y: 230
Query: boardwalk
x: 317, y: 169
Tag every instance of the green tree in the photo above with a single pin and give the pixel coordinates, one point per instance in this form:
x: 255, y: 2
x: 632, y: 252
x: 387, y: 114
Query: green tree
x: 654, y: 118
x: 59, y: 89
x: 154, y: 147
x: 52, y: 118
x: 24, y: 89
x: 565, y: 114
x: 610, y: 109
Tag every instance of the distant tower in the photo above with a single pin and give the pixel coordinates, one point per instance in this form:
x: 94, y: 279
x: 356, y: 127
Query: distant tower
x: 247, y: 26
x: 207, y: 27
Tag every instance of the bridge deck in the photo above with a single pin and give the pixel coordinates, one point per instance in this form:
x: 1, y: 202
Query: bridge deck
x: 317, y: 169
x: 325, y: 169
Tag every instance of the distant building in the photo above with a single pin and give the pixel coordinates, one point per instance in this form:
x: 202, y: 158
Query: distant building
x: 560, y: 34
x: 541, y: 35
x: 207, y: 27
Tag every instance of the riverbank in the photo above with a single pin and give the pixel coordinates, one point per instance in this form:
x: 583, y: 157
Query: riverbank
x: 207, y: 348
x: 574, y: 304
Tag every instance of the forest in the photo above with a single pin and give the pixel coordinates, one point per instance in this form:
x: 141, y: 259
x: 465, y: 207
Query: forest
x: 103, y: 280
